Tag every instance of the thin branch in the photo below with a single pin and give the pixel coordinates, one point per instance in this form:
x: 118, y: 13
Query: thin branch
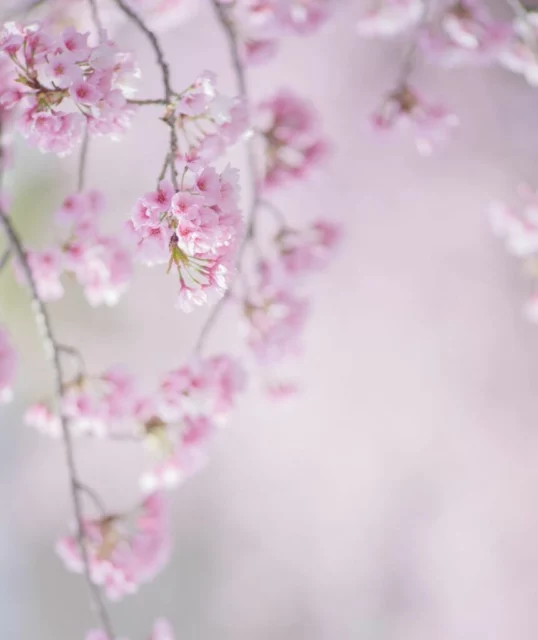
x: 94, y: 497
x: 96, y: 19
x: 409, y: 59
x: 169, y: 119
x: 83, y: 161
x: 22, y: 13
x: 156, y: 101
x: 161, y: 61
x: 53, y: 348
x: 5, y: 258
x: 76, y: 355
x: 229, y: 30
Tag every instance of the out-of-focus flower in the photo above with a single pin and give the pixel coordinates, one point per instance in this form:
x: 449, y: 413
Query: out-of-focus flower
x: 100, y: 263
x: 122, y: 559
x: 467, y: 34
x: 405, y: 109
x: 293, y: 142
x: 519, y: 52
x: 518, y: 227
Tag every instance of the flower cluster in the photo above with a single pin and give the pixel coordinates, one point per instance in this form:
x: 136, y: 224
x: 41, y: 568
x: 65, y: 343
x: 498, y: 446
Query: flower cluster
x: 261, y: 24
x: 520, y: 54
x: 176, y: 423
x: 430, y: 124
x: 7, y: 366
x: 518, y: 227
x: 122, y: 557
x: 162, y: 630
x: 191, y: 403
x: 467, y: 34
x: 100, y: 263
x: 207, y: 121
x: 94, y: 405
x: 293, y: 142
x: 62, y: 85
x: 195, y: 230
x: 274, y: 313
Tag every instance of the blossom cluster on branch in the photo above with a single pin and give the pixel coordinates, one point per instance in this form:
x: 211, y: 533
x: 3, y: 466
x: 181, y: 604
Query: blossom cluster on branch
x: 65, y: 79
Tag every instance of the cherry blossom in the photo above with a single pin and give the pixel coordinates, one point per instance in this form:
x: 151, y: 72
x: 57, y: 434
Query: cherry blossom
x: 519, y: 53
x: 293, y: 142
x: 390, y: 17
x: 195, y: 230
x: 467, y: 35
x: 208, y: 122
x: 8, y: 361
x: 307, y: 250
x: 63, y: 85
x: 274, y: 316
x: 100, y: 263
x: 122, y: 557
x: 429, y: 123
x: 518, y: 227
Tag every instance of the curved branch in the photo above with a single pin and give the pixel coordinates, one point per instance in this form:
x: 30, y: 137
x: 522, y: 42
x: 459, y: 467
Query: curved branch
x: 5, y: 258
x: 54, y: 349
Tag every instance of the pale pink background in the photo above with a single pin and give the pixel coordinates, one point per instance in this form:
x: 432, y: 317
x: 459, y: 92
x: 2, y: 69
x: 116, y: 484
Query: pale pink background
x: 397, y: 497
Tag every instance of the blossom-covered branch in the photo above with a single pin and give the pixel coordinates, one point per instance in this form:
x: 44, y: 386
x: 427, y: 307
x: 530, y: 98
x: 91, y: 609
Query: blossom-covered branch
x: 52, y: 346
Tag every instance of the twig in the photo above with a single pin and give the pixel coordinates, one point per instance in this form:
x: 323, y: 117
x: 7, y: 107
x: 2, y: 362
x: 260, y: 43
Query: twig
x: 83, y: 161
x: 74, y: 353
x: 408, y: 63
x: 229, y: 30
x: 157, y: 101
x: 5, y: 258
x: 161, y: 61
x: 14, y: 13
x: 168, y: 92
x: 53, y: 348
x: 94, y: 497
x: 96, y: 19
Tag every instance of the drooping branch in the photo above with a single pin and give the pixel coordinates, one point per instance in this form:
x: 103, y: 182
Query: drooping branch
x: 83, y: 161
x: 229, y: 30
x: 54, y: 350
x: 168, y: 92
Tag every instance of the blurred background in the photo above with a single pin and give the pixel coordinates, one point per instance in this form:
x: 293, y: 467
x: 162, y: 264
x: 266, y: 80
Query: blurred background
x: 396, y: 497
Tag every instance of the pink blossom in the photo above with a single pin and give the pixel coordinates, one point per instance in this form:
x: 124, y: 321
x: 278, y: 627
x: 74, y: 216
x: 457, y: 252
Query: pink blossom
x: 122, y: 557
x: 468, y: 35
x: 293, y: 142
x: 195, y: 230
x: 8, y: 361
x: 390, y: 17
x: 67, y: 84
x: 518, y: 53
x: 207, y: 121
x: 40, y: 417
x: 46, y: 267
x: 405, y: 108
x: 308, y: 250
x: 274, y: 316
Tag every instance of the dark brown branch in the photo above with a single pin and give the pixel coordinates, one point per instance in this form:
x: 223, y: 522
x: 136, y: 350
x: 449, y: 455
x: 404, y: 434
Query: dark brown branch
x: 54, y: 349
x: 161, y: 61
